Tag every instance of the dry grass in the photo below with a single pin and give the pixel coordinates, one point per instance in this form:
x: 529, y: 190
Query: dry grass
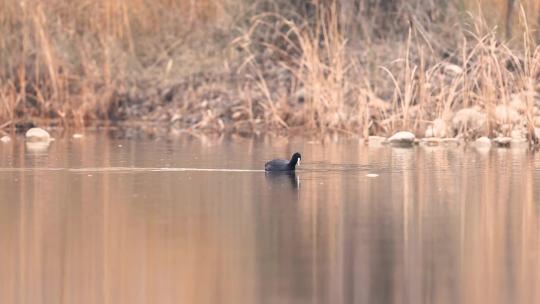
x: 246, y: 66
x: 493, y: 77
x: 69, y: 60
x: 424, y: 78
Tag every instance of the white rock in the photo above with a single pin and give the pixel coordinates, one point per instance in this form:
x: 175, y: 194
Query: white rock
x: 403, y: 138
x: 77, y: 135
x: 372, y: 175
x: 502, y: 141
x: 37, y: 134
x: 482, y: 142
x: 506, y: 114
x: 5, y: 139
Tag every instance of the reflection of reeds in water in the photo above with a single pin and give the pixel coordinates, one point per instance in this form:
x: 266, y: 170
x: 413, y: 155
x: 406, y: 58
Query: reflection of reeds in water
x: 444, y: 226
x: 439, y: 225
x: 97, y: 240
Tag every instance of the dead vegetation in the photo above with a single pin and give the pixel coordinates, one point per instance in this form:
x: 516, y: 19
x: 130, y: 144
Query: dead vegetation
x: 357, y: 67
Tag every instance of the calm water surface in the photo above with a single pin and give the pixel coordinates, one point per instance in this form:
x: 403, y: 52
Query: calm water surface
x: 101, y: 220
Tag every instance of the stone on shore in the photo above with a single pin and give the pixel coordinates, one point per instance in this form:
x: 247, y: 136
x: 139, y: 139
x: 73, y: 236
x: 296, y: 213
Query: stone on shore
x: 402, y: 138
x: 502, y: 141
x: 37, y: 134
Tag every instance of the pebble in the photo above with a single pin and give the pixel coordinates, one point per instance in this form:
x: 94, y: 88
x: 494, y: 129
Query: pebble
x: 502, y: 141
x: 402, y: 138
x: 37, y: 134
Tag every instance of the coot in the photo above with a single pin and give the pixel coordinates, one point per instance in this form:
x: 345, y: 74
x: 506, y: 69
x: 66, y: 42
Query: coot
x: 282, y: 164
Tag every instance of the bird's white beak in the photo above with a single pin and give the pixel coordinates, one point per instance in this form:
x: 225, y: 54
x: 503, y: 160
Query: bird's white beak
x: 299, y: 161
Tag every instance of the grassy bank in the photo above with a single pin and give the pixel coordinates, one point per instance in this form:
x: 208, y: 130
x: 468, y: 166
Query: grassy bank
x: 435, y: 68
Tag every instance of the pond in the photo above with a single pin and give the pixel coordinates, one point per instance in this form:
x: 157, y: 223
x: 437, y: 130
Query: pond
x: 187, y: 219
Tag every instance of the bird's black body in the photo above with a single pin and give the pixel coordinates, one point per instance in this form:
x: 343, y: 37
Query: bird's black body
x: 282, y: 164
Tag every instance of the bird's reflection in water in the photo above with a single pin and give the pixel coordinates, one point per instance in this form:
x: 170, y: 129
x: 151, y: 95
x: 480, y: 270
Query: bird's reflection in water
x: 282, y: 178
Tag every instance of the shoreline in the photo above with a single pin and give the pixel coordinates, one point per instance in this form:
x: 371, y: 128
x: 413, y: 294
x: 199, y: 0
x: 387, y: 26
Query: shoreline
x: 401, y: 139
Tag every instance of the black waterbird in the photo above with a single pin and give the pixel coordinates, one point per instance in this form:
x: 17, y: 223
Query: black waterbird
x: 282, y: 164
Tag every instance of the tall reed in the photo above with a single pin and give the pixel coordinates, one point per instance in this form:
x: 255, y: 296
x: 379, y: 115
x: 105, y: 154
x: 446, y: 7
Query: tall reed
x: 321, y: 66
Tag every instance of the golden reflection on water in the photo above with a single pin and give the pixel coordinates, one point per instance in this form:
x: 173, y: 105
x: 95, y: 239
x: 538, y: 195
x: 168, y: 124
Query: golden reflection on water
x: 438, y: 225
